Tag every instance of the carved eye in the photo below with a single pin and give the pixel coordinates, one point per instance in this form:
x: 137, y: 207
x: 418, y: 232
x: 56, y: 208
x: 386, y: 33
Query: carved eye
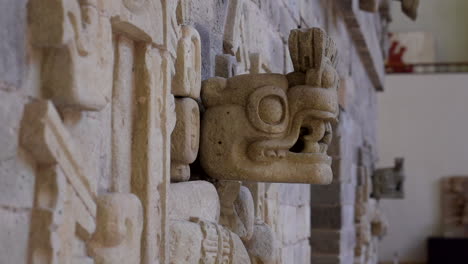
x: 267, y: 109
x: 271, y: 109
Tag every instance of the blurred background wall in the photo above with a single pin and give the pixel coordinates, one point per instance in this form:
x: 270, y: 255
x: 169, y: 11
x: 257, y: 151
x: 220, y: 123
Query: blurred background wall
x: 447, y: 20
x: 423, y: 118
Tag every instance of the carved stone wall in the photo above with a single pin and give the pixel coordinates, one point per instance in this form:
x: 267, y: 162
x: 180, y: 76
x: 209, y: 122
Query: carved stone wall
x: 101, y: 113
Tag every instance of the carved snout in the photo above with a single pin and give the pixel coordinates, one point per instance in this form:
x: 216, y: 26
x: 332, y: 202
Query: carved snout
x: 321, y: 103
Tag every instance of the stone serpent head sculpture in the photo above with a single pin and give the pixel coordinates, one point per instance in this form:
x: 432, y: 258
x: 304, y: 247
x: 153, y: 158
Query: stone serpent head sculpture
x: 274, y: 127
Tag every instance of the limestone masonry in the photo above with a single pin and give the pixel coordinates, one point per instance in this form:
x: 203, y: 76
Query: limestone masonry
x: 203, y: 131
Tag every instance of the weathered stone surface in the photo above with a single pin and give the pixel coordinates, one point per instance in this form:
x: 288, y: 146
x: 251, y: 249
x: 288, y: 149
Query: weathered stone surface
x: 118, y: 233
x: 14, y: 232
x: 333, y: 194
x: 262, y: 246
x: 13, y: 43
x: 76, y: 39
x: 237, y: 208
x: 329, y: 241
x: 187, y: 78
x: 218, y: 245
x: 109, y: 68
x: 334, y: 217
x: 17, y: 181
x: 194, y: 199
x: 263, y: 144
x: 226, y: 66
x: 185, y: 138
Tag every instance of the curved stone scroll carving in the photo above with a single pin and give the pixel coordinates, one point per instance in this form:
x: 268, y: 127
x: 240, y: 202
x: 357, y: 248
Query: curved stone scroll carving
x: 118, y: 232
x: 196, y: 236
x: 237, y: 208
x: 238, y: 214
x: 274, y: 127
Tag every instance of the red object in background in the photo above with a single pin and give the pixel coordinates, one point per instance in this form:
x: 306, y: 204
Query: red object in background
x: 395, y: 59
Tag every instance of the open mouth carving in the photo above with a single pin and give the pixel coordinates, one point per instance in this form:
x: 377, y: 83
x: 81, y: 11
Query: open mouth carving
x: 313, y: 138
x: 310, y: 143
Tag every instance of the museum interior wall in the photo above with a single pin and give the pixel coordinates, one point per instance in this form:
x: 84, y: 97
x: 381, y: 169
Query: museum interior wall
x: 157, y: 131
x: 432, y: 153
x: 445, y: 22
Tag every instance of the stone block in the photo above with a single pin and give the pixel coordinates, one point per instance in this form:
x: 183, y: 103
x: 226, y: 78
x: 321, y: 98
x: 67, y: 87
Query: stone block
x: 14, y: 232
x: 325, y: 259
x: 294, y: 194
x: 332, y: 194
x: 17, y: 178
x: 303, y: 222
x: 328, y: 241
x: 185, y: 138
x: 333, y: 217
x: 287, y: 254
x: 287, y: 216
x: 187, y: 78
x: 11, y: 111
x: 77, y: 50
x: 301, y: 252
x: 12, y: 42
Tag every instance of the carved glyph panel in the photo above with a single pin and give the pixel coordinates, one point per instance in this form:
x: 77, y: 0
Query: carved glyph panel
x: 76, y: 39
x: 64, y: 211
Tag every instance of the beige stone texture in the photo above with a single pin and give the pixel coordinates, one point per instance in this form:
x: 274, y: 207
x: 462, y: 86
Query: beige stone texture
x: 64, y: 208
x: 197, y: 199
x: 237, y: 208
x: 185, y: 138
x: 199, y: 241
x: 76, y: 39
x: 187, y: 79
x: 118, y: 233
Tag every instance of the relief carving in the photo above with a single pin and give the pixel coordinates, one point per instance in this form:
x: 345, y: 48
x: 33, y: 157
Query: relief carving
x: 186, y: 84
x: 238, y: 214
x: 67, y: 207
x: 388, y: 183
x: 184, y: 138
x: 454, y: 194
x: 76, y: 39
x: 196, y: 235
x: 118, y: 233
x: 237, y: 208
x: 187, y: 79
x: 257, y: 127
